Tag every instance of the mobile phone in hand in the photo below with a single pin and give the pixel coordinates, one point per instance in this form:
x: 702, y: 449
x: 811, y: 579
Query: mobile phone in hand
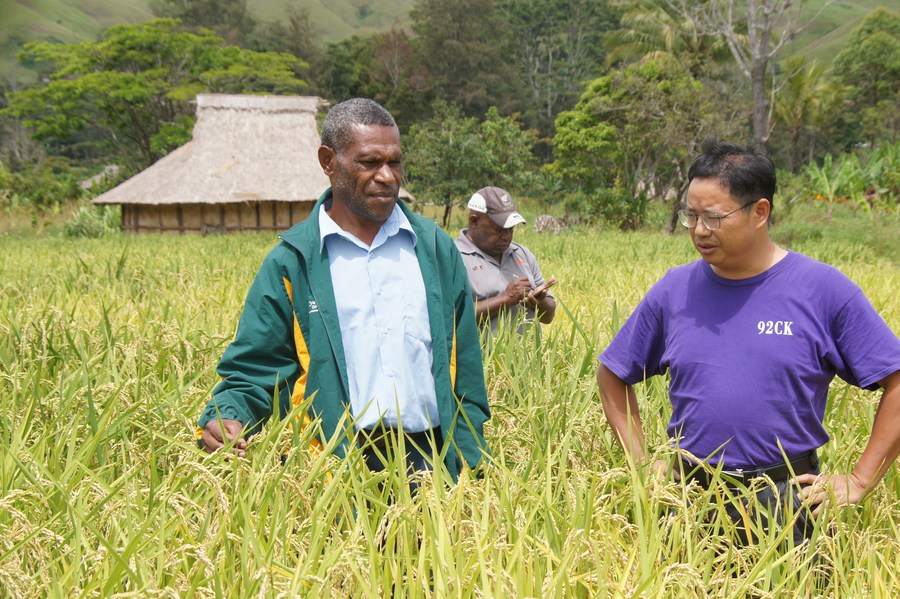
x: 543, y: 286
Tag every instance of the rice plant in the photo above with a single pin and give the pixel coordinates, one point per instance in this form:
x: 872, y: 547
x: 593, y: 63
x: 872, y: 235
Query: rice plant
x: 107, y: 355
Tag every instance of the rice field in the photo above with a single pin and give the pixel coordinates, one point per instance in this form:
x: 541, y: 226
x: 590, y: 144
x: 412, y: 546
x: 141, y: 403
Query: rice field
x: 107, y: 355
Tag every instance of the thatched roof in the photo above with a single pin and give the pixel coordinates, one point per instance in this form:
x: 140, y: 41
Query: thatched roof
x: 244, y: 149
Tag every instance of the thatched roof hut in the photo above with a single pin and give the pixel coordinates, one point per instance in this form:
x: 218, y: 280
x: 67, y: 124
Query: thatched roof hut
x: 250, y: 166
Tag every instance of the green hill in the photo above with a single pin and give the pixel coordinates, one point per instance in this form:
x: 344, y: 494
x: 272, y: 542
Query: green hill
x: 77, y: 20
x: 69, y: 21
x: 64, y: 21
x: 338, y: 19
x: 825, y: 36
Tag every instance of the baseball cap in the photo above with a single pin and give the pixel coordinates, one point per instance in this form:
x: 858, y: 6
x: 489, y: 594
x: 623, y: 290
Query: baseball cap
x: 498, y: 205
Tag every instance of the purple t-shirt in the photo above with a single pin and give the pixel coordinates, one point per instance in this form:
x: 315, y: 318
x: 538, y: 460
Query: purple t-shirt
x: 751, y: 360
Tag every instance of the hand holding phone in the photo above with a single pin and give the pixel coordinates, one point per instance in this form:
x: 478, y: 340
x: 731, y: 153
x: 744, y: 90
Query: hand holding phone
x: 543, y: 287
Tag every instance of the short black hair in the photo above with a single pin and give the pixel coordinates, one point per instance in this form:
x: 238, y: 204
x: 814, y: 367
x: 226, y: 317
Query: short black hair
x: 746, y: 173
x: 343, y: 116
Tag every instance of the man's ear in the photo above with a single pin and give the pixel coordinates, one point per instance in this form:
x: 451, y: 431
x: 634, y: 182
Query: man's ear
x: 473, y: 220
x: 327, y: 156
x: 762, y: 210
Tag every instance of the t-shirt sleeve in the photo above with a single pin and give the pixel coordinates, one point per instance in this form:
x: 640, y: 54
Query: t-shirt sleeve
x: 869, y: 349
x: 637, y: 349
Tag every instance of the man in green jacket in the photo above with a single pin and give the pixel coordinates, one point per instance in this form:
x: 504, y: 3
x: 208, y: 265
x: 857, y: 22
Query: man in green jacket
x: 364, y: 307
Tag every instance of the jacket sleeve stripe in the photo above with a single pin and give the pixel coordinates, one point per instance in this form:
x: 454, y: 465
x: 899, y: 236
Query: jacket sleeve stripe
x: 453, y: 357
x: 299, y: 390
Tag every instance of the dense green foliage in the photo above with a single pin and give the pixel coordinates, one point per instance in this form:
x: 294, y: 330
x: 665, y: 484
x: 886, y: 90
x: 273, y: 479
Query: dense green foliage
x: 650, y: 29
x: 131, y: 91
x: 452, y: 156
x: 870, y: 66
x: 866, y: 182
x: 637, y: 128
x: 807, y: 109
x: 612, y: 97
x: 107, y: 354
x: 464, y: 56
x: 230, y: 19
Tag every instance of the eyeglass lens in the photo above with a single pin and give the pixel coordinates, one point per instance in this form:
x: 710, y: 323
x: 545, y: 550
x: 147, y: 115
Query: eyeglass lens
x: 689, y: 220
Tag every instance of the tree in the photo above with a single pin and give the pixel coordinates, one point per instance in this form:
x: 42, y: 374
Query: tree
x: 511, y: 164
x: 399, y: 81
x: 17, y: 149
x: 807, y: 106
x: 231, y: 19
x: 128, y: 95
x: 555, y: 46
x: 450, y: 156
x: 464, y: 44
x: 384, y: 67
x: 344, y: 68
x: 295, y: 34
x: 638, y: 128
x: 651, y: 29
x: 755, y: 31
x: 869, y: 64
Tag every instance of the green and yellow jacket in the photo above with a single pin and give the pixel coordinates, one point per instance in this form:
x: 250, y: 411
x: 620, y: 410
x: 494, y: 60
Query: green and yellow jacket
x: 288, y: 342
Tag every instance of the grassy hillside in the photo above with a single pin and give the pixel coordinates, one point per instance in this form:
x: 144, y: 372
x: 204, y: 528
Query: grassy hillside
x: 826, y: 36
x: 64, y: 21
x: 70, y: 21
x: 75, y: 20
x: 338, y: 19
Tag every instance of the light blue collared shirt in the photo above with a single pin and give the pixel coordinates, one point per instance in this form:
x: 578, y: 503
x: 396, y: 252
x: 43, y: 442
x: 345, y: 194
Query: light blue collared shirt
x: 380, y: 297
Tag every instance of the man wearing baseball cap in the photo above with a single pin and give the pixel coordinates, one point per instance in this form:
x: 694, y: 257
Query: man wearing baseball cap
x: 503, y: 275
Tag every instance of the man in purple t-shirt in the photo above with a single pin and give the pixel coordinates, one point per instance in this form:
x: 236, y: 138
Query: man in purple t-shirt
x: 752, y: 335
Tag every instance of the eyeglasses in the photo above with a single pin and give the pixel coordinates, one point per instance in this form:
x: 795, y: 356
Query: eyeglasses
x: 712, y: 222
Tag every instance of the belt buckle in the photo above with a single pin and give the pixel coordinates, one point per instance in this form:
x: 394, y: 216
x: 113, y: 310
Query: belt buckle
x: 739, y: 475
x: 749, y: 474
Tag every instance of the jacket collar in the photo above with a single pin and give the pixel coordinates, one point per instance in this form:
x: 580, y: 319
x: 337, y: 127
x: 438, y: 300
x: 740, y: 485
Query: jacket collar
x: 305, y: 236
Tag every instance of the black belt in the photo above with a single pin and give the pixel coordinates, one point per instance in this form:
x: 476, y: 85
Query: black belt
x: 382, y: 437
x: 705, y: 473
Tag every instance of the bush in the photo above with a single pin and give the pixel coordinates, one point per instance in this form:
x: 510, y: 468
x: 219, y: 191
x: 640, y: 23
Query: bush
x: 618, y: 207
x: 866, y: 180
x: 42, y: 185
x: 93, y: 221
x: 614, y: 206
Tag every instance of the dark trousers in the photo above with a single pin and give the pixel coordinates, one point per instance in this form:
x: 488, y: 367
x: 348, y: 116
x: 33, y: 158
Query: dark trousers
x: 381, y: 446
x: 777, y: 504
x: 754, y: 505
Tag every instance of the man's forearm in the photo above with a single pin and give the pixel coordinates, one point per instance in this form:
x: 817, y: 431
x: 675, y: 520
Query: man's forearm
x: 620, y: 406
x: 546, y: 310
x: 488, y: 308
x: 884, y: 445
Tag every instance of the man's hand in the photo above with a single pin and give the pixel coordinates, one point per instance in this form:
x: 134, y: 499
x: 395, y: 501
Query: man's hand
x: 213, y: 438
x: 542, y: 304
x: 517, y: 291
x: 533, y: 300
x: 661, y: 470
x: 880, y: 453
x: 828, y: 490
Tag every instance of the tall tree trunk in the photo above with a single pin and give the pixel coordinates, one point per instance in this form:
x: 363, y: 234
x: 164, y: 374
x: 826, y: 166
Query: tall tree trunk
x: 445, y: 222
x: 760, y: 105
x: 676, y: 206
